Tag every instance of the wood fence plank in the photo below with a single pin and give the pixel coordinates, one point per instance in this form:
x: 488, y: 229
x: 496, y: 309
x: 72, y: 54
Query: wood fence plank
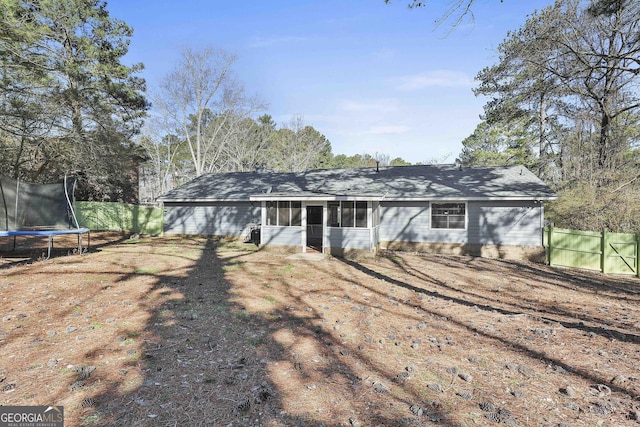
x: 617, y: 253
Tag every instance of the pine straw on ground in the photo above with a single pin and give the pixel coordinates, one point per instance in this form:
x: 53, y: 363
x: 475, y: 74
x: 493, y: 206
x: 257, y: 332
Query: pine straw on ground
x: 187, y: 331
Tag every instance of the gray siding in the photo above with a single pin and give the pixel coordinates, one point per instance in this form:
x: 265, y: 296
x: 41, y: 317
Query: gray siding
x: 495, y: 222
x: 349, y: 238
x: 492, y: 222
x: 214, y: 219
x: 282, y: 236
x: 404, y: 222
x: 505, y: 223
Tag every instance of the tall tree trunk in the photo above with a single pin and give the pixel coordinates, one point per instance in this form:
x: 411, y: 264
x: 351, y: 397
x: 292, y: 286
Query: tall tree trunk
x: 542, y: 137
x: 603, y: 141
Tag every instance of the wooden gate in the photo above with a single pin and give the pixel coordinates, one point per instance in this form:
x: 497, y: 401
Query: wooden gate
x: 616, y: 253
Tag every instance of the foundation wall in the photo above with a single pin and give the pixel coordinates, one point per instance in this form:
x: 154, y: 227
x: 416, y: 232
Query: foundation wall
x: 528, y: 253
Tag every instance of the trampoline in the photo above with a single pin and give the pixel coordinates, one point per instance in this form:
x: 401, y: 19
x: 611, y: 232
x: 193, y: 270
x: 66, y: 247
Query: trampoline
x: 39, y: 210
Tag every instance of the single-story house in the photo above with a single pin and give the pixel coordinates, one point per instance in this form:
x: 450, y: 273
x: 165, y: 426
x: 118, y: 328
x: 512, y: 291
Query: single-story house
x: 489, y: 211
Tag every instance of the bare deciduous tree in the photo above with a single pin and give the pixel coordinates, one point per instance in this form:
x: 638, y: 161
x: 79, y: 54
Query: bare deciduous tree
x: 202, y: 98
x: 165, y: 153
x: 249, y: 148
x: 298, y: 147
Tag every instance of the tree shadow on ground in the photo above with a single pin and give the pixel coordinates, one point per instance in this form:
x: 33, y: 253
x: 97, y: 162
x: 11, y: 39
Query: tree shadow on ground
x: 230, y: 336
x: 481, y: 304
x: 208, y: 359
x: 536, y: 277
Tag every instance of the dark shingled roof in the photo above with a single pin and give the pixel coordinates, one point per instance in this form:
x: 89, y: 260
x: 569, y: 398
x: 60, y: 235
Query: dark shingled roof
x: 429, y: 182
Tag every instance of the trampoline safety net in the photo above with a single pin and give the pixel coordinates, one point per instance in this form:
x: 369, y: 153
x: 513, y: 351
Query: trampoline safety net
x: 27, y: 206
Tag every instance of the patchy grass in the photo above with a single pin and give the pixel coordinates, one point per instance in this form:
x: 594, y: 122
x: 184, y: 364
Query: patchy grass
x: 146, y: 270
x: 194, y: 331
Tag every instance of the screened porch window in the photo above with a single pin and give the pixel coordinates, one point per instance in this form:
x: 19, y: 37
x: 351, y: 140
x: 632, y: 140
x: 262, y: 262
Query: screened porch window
x: 361, y: 214
x: 272, y: 213
x: 347, y: 214
x: 448, y: 215
x: 284, y: 213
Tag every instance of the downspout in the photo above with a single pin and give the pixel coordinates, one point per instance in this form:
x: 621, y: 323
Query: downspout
x: 542, y: 223
x: 303, y: 223
x: 372, y: 233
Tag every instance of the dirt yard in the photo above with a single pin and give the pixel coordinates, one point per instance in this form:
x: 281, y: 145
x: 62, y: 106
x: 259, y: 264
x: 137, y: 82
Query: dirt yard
x: 178, y: 331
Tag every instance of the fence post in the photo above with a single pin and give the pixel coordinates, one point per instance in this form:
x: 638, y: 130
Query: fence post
x: 549, y: 244
x: 638, y: 254
x: 603, y: 251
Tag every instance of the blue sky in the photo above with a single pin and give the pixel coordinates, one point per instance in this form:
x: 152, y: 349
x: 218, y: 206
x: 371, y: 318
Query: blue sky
x: 369, y: 76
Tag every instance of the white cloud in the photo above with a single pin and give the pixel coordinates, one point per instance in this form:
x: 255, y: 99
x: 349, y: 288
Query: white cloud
x: 435, y: 78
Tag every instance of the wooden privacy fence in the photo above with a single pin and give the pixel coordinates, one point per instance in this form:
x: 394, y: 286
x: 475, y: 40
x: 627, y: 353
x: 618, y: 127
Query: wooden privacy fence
x: 120, y: 217
x: 607, y: 252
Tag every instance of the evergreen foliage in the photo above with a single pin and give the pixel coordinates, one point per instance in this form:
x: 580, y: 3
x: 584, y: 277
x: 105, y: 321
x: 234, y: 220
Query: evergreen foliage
x: 564, y: 100
x: 67, y: 103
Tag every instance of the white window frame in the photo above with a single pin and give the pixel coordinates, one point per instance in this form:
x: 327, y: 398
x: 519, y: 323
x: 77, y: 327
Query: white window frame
x: 466, y: 215
x: 278, y: 210
x: 354, y: 216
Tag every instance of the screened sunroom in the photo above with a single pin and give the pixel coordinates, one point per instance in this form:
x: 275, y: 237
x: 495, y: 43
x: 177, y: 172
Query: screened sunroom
x: 327, y: 224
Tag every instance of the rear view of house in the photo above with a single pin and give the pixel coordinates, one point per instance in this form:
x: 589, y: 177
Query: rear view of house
x: 489, y: 211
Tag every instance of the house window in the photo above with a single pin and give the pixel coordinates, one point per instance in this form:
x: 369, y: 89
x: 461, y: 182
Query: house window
x: 448, y: 215
x: 284, y: 213
x: 347, y: 214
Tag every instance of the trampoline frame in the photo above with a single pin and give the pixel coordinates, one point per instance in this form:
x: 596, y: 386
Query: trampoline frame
x: 50, y: 235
